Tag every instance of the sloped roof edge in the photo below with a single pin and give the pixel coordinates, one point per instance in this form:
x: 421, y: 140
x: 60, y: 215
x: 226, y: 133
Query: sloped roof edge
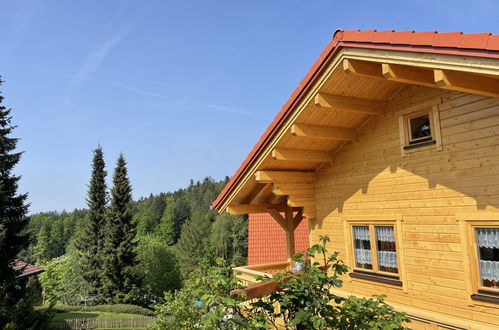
x: 450, y: 43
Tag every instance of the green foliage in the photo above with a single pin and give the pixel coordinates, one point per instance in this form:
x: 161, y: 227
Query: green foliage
x: 307, y: 301
x: 194, y: 242
x: 158, y: 266
x: 14, y: 310
x: 304, y: 302
x: 161, y: 219
x: 60, y: 282
x: 203, y: 302
x: 115, y: 308
x: 90, y: 243
x: 229, y: 238
x: 119, y: 279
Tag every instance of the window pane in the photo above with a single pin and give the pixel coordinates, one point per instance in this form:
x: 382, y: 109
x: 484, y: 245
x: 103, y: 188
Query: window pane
x: 420, y: 127
x: 488, y: 254
x: 387, y: 253
x: 362, y: 243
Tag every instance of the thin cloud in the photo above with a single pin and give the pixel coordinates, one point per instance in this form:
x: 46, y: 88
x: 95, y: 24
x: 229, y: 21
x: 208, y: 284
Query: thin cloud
x: 95, y: 58
x: 216, y: 107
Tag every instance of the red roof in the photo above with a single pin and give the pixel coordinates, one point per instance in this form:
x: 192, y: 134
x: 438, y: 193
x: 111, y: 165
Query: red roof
x: 267, y: 240
x: 451, y: 43
x: 27, y: 269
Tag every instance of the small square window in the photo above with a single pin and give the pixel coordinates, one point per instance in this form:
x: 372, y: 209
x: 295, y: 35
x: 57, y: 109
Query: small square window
x: 419, y: 129
x: 487, y: 240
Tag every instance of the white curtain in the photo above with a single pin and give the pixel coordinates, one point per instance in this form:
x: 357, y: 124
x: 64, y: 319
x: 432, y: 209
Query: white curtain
x: 361, y: 233
x: 488, y: 238
x: 363, y: 256
x: 387, y: 259
x: 388, y: 256
x: 385, y: 234
x: 362, y: 253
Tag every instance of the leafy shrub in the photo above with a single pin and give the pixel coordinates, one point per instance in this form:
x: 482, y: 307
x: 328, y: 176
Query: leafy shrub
x: 305, y: 301
x: 118, y: 308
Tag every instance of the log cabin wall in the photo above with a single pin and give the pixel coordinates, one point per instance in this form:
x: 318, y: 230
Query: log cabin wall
x: 424, y: 192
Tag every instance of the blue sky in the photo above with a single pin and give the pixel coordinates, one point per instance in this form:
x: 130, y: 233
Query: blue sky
x: 183, y: 88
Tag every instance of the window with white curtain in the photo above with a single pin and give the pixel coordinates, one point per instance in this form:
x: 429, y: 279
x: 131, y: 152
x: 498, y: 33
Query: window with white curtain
x: 385, y: 250
x: 487, y: 240
x: 362, y: 243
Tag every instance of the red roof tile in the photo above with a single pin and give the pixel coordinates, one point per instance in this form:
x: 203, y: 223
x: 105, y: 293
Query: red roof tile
x: 267, y: 240
x: 453, y: 43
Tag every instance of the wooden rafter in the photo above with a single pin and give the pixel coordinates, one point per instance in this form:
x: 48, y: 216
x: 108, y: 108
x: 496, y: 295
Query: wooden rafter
x: 284, y: 177
x: 466, y: 82
x: 254, y: 208
x: 293, y: 189
x: 348, y: 104
x: 262, y: 190
x: 436, y: 78
x: 276, y: 199
x: 409, y: 75
x: 362, y: 68
x: 302, y: 155
x: 323, y: 132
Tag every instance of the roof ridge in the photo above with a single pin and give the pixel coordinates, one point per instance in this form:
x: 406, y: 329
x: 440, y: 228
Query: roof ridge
x: 482, y: 41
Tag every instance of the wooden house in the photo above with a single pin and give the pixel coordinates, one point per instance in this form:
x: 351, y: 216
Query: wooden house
x: 390, y: 145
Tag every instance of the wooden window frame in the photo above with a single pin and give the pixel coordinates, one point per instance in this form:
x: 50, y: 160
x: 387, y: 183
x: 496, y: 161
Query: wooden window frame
x: 469, y: 222
x: 408, y: 144
x: 396, y: 279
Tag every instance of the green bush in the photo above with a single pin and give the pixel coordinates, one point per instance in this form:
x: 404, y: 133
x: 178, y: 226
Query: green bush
x: 118, y: 308
x: 305, y: 301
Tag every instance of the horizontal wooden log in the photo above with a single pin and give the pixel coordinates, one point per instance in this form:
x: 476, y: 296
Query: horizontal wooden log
x: 348, y: 104
x: 323, y: 132
x: 303, y: 155
x: 284, y: 177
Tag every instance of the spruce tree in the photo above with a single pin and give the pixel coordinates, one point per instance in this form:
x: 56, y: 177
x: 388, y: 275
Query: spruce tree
x: 120, y: 246
x: 90, y: 244
x: 13, y: 209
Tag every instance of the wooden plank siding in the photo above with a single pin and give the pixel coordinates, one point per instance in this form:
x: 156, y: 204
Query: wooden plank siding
x: 427, y: 188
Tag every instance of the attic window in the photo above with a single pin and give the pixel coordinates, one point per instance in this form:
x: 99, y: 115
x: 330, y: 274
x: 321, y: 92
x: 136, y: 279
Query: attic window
x: 419, y: 129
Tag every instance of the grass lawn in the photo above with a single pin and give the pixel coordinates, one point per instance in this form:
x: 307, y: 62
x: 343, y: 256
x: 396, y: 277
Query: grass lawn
x: 83, y: 314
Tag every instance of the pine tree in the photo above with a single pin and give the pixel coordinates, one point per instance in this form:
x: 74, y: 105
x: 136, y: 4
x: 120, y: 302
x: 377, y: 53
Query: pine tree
x: 43, y: 251
x: 90, y: 243
x: 119, y: 237
x: 13, y: 209
x: 166, y: 225
x: 192, y: 247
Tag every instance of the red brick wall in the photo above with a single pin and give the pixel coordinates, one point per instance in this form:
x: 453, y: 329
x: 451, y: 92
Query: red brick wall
x: 267, y: 240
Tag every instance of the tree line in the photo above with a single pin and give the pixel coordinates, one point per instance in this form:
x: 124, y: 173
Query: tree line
x: 173, y: 233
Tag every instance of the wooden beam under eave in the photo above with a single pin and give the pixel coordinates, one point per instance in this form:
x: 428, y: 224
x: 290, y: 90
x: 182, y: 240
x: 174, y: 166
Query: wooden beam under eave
x: 348, y: 104
x: 302, y: 155
x: 467, y: 82
x: 255, y: 208
x: 362, y: 68
x: 408, y: 74
x: 258, y: 192
x: 323, y: 132
x: 285, y: 177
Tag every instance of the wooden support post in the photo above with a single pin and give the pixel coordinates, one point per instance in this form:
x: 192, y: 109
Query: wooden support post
x: 290, y: 233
